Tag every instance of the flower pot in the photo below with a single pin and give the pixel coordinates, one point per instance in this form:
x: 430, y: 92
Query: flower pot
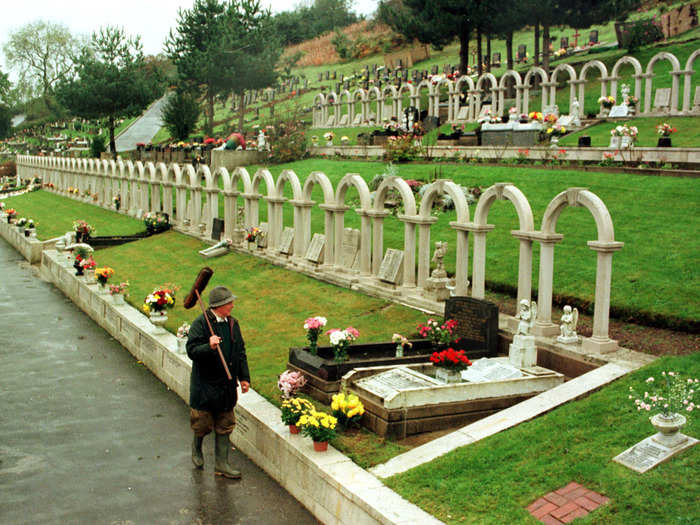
x: 448, y: 375
x: 293, y: 429
x: 626, y: 141
x: 668, y: 429
x: 182, y: 345
x: 78, y: 269
x: 664, y: 142
x: 27, y: 232
x: 158, y: 319
x: 118, y: 299
x: 320, y: 446
x: 90, y: 276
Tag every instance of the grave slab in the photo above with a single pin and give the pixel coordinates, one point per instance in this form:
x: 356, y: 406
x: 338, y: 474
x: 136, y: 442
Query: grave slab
x: 647, y: 454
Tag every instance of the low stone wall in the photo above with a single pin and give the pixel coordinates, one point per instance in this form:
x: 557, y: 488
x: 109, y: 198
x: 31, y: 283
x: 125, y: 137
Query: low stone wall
x: 232, y: 159
x: 30, y: 249
x: 329, y: 484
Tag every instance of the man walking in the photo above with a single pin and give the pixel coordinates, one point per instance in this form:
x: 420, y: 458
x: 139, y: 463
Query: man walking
x: 212, y: 395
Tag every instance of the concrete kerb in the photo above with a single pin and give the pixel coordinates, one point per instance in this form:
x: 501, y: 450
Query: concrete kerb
x: 330, y: 485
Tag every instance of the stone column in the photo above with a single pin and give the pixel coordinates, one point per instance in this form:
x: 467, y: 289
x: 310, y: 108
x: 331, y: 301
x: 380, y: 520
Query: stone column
x: 196, y: 207
x: 524, y: 264
x: 338, y: 218
x: 549, y: 93
x: 365, y: 242
x: 180, y: 204
x: 479, y: 232
x: 687, y: 75
x: 476, y: 106
x: 213, y: 207
x: 302, y: 227
x: 543, y: 324
x: 675, y: 85
x: 168, y: 199
x: 647, y: 88
x: 526, y: 98
x: 501, y: 98
x: 252, y: 212
x: 462, y: 262
x: 578, y: 88
x: 600, y: 341
x: 424, y: 249
x: 409, y: 249
x: 275, y: 221
x: 377, y: 238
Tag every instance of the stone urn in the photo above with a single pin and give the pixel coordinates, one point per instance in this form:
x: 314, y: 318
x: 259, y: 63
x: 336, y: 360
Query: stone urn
x: 181, y: 345
x: 158, y: 320
x: 668, y: 429
x: 448, y: 375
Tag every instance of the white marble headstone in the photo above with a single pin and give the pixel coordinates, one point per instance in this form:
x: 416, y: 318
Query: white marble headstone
x: 621, y: 110
x: 314, y: 253
x: 662, y: 98
x: 392, y: 263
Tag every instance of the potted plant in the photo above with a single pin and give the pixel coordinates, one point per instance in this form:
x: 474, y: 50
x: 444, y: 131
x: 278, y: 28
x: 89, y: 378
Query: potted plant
x: 11, y: 213
x: 439, y: 334
x: 449, y: 365
x: 671, y: 395
x: 347, y: 409
x: 118, y: 292
x: 401, y: 343
x: 290, y: 382
x: 555, y: 131
x: 82, y: 230
x: 664, y: 131
x: 88, y: 268
x: 183, y: 333
x: 156, y: 222
x: 319, y: 426
x: 156, y: 305
x: 629, y: 136
x: 21, y: 223
x: 607, y: 102
x: 102, y: 275
x: 340, y: 341
x: 292, y: 410
x: 313, y: 326
x: 81, y: 253
x: 252, y: 235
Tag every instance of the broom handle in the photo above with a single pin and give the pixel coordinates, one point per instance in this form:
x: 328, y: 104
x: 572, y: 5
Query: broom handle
x: 211, y: 330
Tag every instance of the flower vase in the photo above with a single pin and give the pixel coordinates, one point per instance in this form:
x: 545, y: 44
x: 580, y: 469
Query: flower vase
x: 27, y: 232
x: 118, y: 299
x: 79, y: 272
x: 668, y: 429
x: 399, y: 350
x: 293, y: 429
x: 320, y: 446
x: 664, y: 142
x: 251, y: 246
x: 554, y: 141
x: 448, y: 375
x: 615, y: 142
x: 182, y: 345
x: 626, y: 141
x: 90, y: 276
x: 158, y: 319
x: 102, y: 288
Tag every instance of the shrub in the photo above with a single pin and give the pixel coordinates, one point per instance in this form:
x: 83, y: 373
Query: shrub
x: 288, y: 140
x: 180, y: 114
x: 641, y: 33
x: 401, y: 149
x: 97, y: 146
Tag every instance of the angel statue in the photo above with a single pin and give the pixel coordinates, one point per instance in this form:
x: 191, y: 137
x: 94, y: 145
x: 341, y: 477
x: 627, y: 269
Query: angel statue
x: 569, y: 320
x: 438, y: 256
x: 526, y: 316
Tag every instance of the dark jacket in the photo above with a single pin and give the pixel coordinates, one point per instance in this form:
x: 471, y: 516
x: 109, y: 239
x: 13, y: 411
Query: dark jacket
x: 210, y: 389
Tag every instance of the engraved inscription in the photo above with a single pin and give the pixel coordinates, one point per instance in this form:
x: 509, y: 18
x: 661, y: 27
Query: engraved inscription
x: 392, y: 263
x: 662, y: 98
x: 286, y: 241
x: 351, y: 246
x: 315, y: 251
x: 391, y: 381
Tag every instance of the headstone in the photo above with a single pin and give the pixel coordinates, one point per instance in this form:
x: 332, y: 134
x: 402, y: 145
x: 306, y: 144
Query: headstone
x: 621, y: 110
x: 662, y: 98
x: 392, y: 264
x: 496, y: 62
x: 564, y: 42
x: 261, y: 241
x: 328, y: 75
x: 314, y: 253
x: 593, y: 37
x: 217, y: 228
x: 343, y: 120
x: 551, y: 110
x: 565, y: 120
x: 522, y: 351
x: 477, y: 321
x: 463, y: 113
x: 357, y: 120
x: 320, y: 77
x: 648, y: 453
x: 334, y: 76
x: 351, y: 247
x: 286, y: 241
x: 522, y: 52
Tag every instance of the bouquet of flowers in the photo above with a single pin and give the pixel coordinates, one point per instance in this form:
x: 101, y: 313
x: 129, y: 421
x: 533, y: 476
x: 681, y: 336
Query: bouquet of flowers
x: 159, y: 300
x: 313, y: 326
x: 347, y: 409
x: 103, y: 274
x: 253, y: 233
x: 293, y: 409
x: 436, y: 332
x: 329, y: 136
x: 536, y: 115
x: 616, y: 131
x: 86, y: 263
x: 290, y: 382
x: 665, y: 130
x: 319, y: 426
x: 340, y: 341
x: 22, y: 221
x: 31, y: 224
x: 513, y: 110
x: 183, y: 331
x: 607, y: 102
x: 551, y: 118
x: 673, y: 394
x: 632, y: 101
x: 156, y: 222
x: 344, y: 140
x: 82, y: 230
x: 401, y: 342
x: 451, y: 358
x: 557, y: 130
x: 121, y: 288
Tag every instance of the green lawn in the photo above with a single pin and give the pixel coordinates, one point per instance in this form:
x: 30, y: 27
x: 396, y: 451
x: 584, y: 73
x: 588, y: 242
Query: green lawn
x: 54, y: 215
x: 687, y: 136
x: 494, y: 480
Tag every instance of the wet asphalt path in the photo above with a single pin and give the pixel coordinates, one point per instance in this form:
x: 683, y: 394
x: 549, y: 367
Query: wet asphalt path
x: 89, y: 436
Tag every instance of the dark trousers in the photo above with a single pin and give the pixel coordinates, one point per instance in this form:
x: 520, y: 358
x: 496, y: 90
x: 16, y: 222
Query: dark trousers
x: 203, y: 422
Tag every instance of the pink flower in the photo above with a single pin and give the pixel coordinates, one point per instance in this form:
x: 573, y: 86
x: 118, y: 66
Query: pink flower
x: 354, y: 332
x: 329, y: 332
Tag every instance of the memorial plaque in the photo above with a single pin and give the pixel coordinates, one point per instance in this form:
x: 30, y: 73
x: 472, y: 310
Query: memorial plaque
x: 662, y: 98
x: 286, y: 241
x: 463, y: 113
x: 261, y: 241
x: 619, y: 111
x: 646, y: 454
x: 490, y: 370
x: 351, y: 247
x: 217, y: 228
x: 593, y: 37
x: 357, y: 120
x: 315, y: 251
x: 484, y: 110
x: 565, y: 120
x: 343, y: 120
x: 390, y: 269
x: 331, y: 121
x: 477, y: 321
x: 389, y: 383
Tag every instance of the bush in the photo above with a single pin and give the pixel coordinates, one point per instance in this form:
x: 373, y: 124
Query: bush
x: 641, y: 33
x: 401, y: 149
x: 8, y: 169
x: 180, y: 114
x: 97, y: 146
x: 288, y: 141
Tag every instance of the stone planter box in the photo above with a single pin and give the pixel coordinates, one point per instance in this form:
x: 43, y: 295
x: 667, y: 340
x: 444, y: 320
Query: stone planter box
x: 231, y: 159
x: 324, y: 374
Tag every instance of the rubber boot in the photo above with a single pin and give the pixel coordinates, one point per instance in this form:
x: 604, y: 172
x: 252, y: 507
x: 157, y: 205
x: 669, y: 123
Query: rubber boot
x: 222, y: 466
x: 197, y: 456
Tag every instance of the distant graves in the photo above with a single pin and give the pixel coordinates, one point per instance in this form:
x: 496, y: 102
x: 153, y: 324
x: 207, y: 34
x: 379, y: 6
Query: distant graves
x: 522, y: 53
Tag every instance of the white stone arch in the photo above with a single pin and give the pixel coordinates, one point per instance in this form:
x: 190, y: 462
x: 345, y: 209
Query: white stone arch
x: 675, y: 74
x: 437, y: 87
x: 332, y: 103
x: 302, y: 228
x: 191, y: 206
x: 241, y: 175
x: 276, y: 219
x: 471, y: 96
x: 423, y: 84
x: 177, y: 179
x: 615, y: 76
x: 345, y: 95
x: 400, y: 93
x: 319, y: 110
x: 571, y: 81
x: 262, y: 175
x: 604, y: 78
x: 212, y: 189
x: 359, y: 95
x: 389, y: 109
x: 544, y: 78
x: 461, y: 226
x: 687, y: 74
x: 605, y: 245
x: 503, y: 191
x: 518, y: 89
x: 493, y: 89
x: 205, y: 209
x: 377, y: 99
x: 356, y: 181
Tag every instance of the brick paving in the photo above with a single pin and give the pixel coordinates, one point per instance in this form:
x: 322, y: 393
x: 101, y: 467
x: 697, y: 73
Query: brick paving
x: 566, y: 504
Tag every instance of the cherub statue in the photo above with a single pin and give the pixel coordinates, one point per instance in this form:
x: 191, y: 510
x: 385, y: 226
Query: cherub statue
x: 438, y: 256
x: 527, y: 314
x: 569, y: 320
x: 262, y: 142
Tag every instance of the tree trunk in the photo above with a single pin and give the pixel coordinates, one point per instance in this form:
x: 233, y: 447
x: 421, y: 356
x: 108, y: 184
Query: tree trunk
x: 241, y: 112
x: 479, y: 54
x: 509, y: 49
x: 545, y: 47
x: 210, y: 113
x: 112, y: 142
x: 537, y: 44
x: 488, y: 52
x: 464, y: 52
